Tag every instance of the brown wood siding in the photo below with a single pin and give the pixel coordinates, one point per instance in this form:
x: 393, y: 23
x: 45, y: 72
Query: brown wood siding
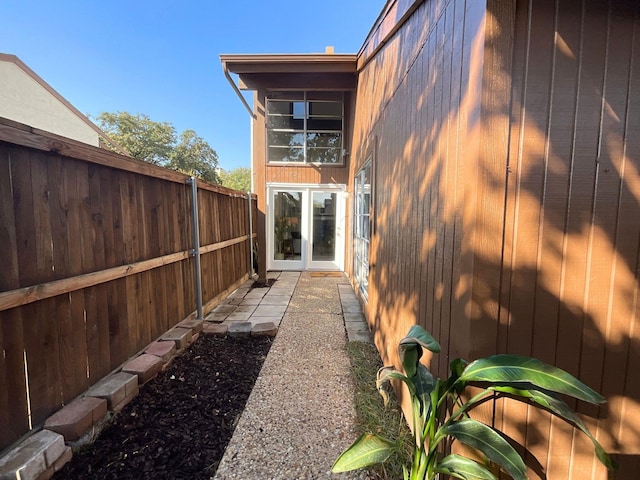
x: 306, y: 174
x: 96, y: 265
x: 414, y: 96
x: 506, y: 194
x: 570, y: 271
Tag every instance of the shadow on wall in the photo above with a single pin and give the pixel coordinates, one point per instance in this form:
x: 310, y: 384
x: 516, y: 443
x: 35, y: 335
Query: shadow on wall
x: 534, y: 187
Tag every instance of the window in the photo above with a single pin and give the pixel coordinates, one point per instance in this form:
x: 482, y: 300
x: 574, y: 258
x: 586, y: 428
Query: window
x: 305, y: 127
x: 362, y: 228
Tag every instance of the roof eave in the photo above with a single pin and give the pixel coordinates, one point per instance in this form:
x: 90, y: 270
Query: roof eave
x: 290, y: 63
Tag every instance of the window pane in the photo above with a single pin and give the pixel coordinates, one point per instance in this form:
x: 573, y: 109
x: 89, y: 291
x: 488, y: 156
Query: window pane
x: 327, y: 96
x: 286, y: 96
x: 283, y: 154
x: 325, y: 109
x: 287, y: 209
x: 324, y: 226
x: 280, y: 108
x: 298, y: 110
x: 285, y: 122
x: 323, y: 155
x: 320, y: 123
x: 285, y: 139
x: 333, y: 140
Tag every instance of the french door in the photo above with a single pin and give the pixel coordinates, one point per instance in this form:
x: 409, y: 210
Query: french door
x: 305, y: 227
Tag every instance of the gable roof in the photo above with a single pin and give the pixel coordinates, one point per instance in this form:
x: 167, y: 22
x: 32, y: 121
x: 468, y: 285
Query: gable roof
x: 104, y: 138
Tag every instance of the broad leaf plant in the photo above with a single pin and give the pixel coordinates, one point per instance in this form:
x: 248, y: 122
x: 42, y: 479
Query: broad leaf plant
x: 441, y: 412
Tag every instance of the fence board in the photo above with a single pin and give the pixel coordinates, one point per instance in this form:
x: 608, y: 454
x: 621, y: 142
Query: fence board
x: 8, y: 245
x: 23, y: 208
x: 98, y: 265
x: 38, y: 348
x: 14, y: 408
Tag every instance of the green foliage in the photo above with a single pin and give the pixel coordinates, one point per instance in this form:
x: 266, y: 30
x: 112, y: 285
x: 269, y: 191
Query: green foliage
x: 441, y: 414
x: 158, y: 143
x: 282, y: 228
x: 193, y: 155
x: 238, y: 179
x: 373, y: 415
x: 143, y: 138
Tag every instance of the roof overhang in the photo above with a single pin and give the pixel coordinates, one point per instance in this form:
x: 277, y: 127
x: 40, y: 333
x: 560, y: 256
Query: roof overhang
x: 302, y: 71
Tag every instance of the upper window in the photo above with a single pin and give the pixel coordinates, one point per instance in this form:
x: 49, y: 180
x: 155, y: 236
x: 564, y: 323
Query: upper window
x: 305, y: 127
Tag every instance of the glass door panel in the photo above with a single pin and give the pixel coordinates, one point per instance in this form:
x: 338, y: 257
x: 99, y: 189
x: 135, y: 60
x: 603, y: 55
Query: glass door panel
x: 324, y: 227
x: 287, y: 226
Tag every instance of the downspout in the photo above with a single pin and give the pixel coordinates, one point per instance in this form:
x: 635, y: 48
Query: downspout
x: 237, y: 90
x: 253, y: 117
x: 250, y: 235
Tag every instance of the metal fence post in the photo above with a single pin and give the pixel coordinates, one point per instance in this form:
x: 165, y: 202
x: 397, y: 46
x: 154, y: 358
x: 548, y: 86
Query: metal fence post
x: 196, y: 244
x: 250, y: 236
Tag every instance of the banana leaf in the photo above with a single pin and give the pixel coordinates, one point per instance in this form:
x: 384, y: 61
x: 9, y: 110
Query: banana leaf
x: 559, y: 408
x: 518, y: 369
x: 463, y: 468
x: 368, y: 449
x: 489, y: 442
x: 419, y: 335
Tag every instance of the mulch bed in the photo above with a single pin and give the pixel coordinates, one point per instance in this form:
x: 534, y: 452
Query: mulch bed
x: 181, y: 422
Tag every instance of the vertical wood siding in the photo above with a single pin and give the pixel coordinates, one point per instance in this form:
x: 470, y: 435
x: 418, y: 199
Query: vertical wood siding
x: 65, y: 216
x: 415, y: 97
x: 507, y: 201
x: 570, y: 271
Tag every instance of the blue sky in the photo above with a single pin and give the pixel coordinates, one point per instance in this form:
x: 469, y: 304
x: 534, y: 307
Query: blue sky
x: 160, y: 57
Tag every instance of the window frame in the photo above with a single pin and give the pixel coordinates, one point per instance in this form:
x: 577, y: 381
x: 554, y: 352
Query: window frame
x: 362, y: 217
x: 306, y: 97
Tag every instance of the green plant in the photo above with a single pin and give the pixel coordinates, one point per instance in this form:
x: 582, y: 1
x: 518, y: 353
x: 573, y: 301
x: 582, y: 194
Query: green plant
x: 282, y: 228
x: 440, y: 412
x: 372, y: 415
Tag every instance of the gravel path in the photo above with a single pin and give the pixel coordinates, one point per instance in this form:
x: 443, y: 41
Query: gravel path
x: 300, y: 415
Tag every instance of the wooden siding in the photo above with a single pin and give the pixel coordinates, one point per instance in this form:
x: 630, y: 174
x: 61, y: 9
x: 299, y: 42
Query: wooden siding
x: 97, y: 263
x: 415, y: 97
x: 507, y: 201
x: 572, y: 223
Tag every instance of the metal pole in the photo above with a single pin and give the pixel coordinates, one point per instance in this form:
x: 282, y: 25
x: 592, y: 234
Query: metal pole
x: 196, y: 244
x: 250, y: 237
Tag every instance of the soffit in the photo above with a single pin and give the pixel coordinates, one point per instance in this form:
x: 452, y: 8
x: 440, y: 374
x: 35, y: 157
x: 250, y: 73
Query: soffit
x: 288, y: 71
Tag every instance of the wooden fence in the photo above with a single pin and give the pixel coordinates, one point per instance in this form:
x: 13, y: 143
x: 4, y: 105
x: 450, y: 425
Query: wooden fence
x: 97, y: 261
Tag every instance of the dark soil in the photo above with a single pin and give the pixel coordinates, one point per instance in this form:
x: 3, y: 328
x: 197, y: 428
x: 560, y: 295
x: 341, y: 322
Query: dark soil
x: 181, y: 422
x: 269, y: 282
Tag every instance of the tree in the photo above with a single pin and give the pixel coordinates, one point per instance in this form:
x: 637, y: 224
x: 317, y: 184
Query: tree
x: 238, y: 179
x: 193, y: 156
x: 158, y: 143
x: 143, y: 138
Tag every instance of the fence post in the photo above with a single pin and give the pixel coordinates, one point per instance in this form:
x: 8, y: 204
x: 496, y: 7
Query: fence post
x: 196, y: 244
x: 250, y: 237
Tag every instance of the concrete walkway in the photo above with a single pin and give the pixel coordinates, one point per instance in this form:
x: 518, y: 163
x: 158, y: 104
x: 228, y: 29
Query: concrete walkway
x: 300, y: 415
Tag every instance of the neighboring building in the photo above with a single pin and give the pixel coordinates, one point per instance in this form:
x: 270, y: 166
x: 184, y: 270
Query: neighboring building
x: 27, y: 98
x: 475, y: 169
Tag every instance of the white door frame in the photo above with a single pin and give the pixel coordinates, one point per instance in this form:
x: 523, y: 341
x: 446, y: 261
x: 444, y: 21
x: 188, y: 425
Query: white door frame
x: 305, y: 263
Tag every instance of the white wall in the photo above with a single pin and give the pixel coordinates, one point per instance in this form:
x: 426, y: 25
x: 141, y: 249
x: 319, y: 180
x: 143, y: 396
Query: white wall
x: 24, y: 100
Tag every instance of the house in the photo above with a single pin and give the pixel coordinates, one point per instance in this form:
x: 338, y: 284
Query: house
x: 301, y: 155
x: 26, y: 98
x: 475, y: 169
